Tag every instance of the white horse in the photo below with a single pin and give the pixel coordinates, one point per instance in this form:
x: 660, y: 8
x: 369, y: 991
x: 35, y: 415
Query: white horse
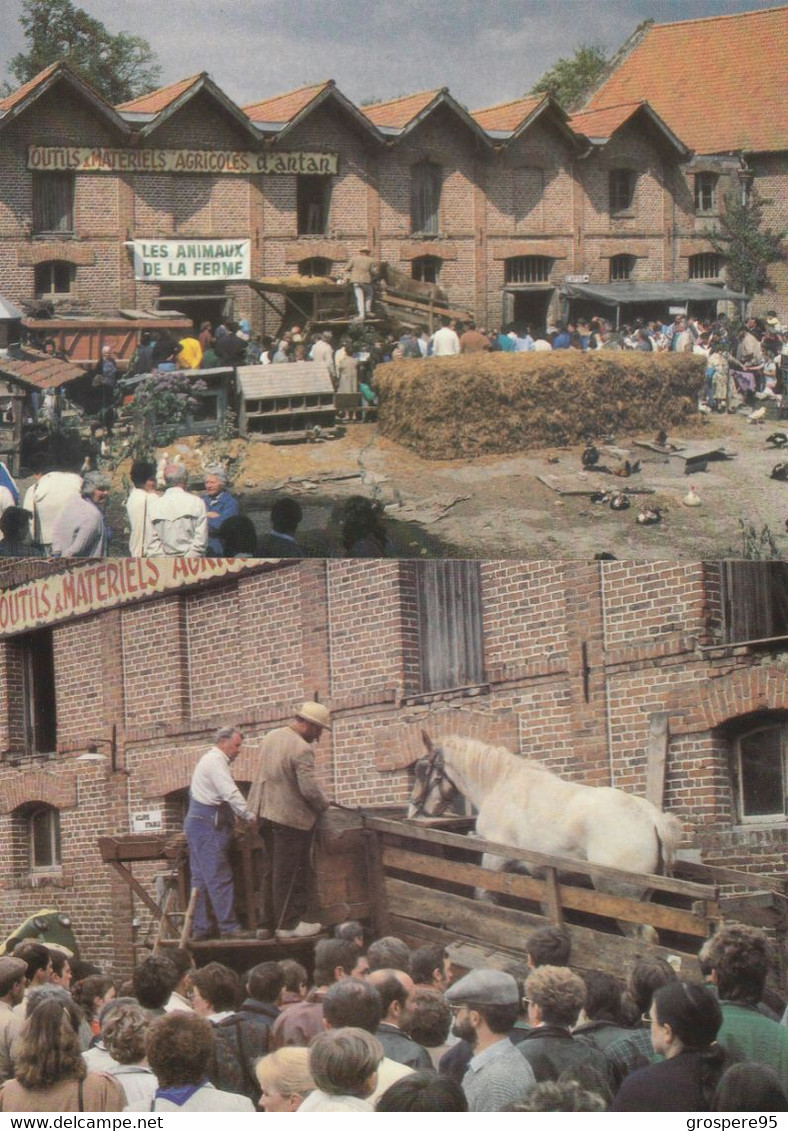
x: 521, y: 803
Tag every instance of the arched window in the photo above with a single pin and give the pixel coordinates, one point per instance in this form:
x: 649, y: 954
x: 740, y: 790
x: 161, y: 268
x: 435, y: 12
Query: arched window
x: 41, y: 824
x: 760, y: 771
x: 54, y: 277
x: 621, y: 268
x: 707, y: 265
x: 426, y: 268
x: 425, y: 198
x: 316, y: 266
x: 528, y: 269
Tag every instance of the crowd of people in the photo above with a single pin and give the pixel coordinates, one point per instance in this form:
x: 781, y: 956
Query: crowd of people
x: 381, y: 1027
x: 63, y: 514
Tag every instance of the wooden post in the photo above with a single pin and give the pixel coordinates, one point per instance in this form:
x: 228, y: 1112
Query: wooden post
x: 188, y: 918
x: 657, y: 755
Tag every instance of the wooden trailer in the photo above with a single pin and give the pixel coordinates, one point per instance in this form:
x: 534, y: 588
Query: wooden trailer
x: 422, y: 881
x: 430, y: 879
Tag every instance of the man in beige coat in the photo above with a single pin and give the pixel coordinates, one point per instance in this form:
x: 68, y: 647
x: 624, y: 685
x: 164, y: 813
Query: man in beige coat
x: 286, y: 796
x: 361, y: 272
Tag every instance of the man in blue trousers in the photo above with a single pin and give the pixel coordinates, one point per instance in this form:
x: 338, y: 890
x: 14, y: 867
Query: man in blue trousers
x: 214, y: 800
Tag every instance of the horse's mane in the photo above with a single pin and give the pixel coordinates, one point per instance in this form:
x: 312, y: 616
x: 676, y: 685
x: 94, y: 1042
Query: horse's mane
x: 486, y: 765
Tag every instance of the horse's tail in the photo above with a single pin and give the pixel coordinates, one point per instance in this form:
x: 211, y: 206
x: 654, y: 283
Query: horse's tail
x: 669, y: 830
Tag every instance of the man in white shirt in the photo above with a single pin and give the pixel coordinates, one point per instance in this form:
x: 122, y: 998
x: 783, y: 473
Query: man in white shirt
x: 445, y: 342
x: 45, y: 499
x: 138, y: 507
x: 214, y: 799
x: 179, y: 519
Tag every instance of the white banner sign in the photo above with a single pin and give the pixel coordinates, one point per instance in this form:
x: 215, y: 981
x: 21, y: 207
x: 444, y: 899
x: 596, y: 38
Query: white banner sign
x: 85, y: 159
x: 197, y: 260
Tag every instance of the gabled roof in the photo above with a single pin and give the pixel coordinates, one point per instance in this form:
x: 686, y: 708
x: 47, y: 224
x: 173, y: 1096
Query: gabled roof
x: 399, y: 116
x: 509, y: 120
x: 719, y: 82
x: 156, y: 100
x: 157, y: 107
x: 506, y: 117
x: 600, y: 124
x: 284, y: 113
x: 398, y: 113
x: 280, y: 109
x: 24, y: 96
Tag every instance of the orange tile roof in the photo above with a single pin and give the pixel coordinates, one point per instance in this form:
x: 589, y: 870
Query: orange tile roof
x: 41, y: 370
x: 160, y: 99
x: 21, y: 92
x: 283, y: 107
x: 720, y: 83
x: 507, y: 116
x: 603, y: 122
x: 400, y: 112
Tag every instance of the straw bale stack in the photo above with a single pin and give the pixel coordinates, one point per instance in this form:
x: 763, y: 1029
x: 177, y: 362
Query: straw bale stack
x: 452, y: 407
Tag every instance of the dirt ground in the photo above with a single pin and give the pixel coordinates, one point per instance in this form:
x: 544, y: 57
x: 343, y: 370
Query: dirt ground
x: 497, y: 507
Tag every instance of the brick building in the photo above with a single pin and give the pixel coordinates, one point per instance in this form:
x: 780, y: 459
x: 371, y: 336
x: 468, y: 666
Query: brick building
x: 721, y: 85
x: 178, y: 198
x: 669, y: 680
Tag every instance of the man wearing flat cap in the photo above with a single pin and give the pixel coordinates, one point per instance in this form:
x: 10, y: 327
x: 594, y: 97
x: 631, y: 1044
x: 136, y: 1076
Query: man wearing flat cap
x: 288, y: 799
x: 12, y: 989
x: 485, y: 1004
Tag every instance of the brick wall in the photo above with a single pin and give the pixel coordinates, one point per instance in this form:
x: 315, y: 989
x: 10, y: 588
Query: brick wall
x: 578, y: 658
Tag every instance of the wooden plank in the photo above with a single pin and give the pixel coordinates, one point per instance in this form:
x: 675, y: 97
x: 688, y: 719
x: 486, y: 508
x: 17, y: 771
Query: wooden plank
x: 139, y: 890
x: 412, y: 831
x: 719, y: 875
x: 564, y: 896
x: 502, y: 928
x: 657, y: 756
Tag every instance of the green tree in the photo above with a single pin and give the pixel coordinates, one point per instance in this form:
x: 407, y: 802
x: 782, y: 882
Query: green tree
x: 120, y: 66
x: 571, y: 80
x: 746, y: 244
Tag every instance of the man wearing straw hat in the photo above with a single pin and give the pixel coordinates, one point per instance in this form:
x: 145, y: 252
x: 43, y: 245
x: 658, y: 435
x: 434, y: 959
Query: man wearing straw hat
x: 286, y: 796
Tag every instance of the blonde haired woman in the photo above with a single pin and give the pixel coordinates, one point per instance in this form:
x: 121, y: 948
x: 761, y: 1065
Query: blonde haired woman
x: 284, y: 1078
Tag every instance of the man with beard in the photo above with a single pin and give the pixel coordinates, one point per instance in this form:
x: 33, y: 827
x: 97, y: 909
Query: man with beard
x: 485, y: 1005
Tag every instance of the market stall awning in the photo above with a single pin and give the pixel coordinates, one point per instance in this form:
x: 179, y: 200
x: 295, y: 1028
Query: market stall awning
x: 625, y: 294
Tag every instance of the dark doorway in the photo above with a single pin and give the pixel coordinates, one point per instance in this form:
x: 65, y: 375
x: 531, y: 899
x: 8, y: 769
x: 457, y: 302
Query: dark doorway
x: 200, y: 308
x: 528, y: 308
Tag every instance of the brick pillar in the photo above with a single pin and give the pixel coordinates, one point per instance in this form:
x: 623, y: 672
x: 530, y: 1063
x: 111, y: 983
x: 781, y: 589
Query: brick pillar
x: 127, y: 286
x: 480, y: 242
x: 586, y: 656
x: 315, y: 645
x: 373, y: 204
x: 669, y: 179
x: 256, y: 228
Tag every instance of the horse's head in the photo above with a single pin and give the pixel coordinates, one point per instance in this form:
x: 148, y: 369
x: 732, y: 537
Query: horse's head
x: 433, y: 791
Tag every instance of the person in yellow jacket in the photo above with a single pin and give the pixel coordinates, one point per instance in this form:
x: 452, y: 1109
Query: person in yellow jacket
x: 190, y: 355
